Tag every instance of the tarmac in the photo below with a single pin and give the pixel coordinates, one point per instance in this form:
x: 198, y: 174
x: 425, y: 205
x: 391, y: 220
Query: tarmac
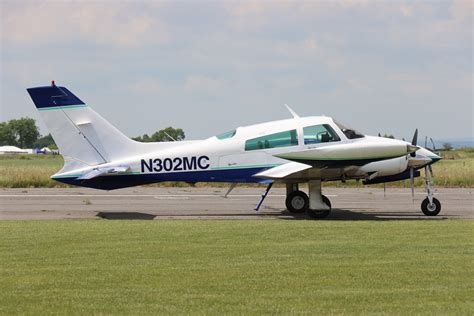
x: 146, y: 203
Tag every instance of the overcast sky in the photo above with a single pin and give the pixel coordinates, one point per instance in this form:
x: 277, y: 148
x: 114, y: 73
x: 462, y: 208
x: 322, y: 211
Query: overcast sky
x: 207, y: 67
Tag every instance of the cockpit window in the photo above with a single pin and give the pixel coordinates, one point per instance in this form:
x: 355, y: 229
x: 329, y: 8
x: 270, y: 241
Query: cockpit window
x: 349, y: 132
x: 227, y: 135
x: 319, y: 134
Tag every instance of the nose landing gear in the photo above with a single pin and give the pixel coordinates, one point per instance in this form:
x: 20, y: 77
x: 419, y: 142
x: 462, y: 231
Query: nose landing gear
x: 430, y: 206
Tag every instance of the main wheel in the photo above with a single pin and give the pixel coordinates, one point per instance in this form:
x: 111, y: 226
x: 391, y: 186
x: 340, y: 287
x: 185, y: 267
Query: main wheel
x: 432, y: 209
x: 297, y: 202
x: 318, y: 214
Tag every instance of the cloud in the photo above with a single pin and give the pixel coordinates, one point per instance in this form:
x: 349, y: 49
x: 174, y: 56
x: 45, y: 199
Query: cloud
x: 198, y: 83
x: 117, y: 24
x: 349, y: 58
x: 146, y: 86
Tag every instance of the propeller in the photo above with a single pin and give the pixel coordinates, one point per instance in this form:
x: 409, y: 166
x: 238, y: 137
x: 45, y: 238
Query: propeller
x: 431, y: 170
x: 414, y: 141
x: 432, y: 142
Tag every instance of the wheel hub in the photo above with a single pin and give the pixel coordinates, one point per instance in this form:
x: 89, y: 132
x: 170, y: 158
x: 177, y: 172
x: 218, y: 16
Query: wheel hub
x: 431, y: 207
x: 297, y: 202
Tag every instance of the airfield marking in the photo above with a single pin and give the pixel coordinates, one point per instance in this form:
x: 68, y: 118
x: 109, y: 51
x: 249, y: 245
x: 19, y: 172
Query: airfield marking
x: 143, y: 195
x: 190, y: 195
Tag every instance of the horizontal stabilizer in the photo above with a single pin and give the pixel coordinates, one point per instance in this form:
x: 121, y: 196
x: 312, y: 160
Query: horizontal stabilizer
x: 282, y: 171
x: 96, y: 172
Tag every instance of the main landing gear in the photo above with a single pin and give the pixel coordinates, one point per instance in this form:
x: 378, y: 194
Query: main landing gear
x: 316, y: 205
x: 430, y: 206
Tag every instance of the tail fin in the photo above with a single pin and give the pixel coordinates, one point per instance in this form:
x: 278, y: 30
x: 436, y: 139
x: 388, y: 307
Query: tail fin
x: 84, y: 138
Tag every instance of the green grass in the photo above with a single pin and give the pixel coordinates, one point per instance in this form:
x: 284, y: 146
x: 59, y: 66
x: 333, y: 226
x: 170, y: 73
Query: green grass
x: 237, y: 267
x: 456, y: 170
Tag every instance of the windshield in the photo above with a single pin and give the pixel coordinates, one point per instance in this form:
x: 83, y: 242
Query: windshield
x: 227, y: 135
x: 349, y: 132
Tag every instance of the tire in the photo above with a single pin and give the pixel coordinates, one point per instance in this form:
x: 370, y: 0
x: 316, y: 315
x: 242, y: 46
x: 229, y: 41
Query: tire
x: 297, y: 202
x: 319, y: 214
x: 431, y: 210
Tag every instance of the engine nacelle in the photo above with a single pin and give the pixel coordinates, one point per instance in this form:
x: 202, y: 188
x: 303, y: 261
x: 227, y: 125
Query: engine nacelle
x: 396, y: 177
x: 384, y: 168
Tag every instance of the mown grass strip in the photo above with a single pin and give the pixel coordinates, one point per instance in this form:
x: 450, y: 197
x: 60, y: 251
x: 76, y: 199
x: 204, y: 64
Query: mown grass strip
x: 237, y: 267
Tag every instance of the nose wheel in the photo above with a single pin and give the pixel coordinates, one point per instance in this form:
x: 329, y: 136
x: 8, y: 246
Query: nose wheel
x: 430, y: 206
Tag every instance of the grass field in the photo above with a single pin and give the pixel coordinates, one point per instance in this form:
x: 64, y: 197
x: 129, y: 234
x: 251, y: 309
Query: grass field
x: 237, y: 267
x: 456, y: 170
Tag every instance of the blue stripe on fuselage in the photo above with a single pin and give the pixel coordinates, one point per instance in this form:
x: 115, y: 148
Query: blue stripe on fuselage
x: 243, y: 175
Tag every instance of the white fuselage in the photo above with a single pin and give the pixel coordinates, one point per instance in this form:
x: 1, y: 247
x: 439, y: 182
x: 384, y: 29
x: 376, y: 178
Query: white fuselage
x: 236, y: 156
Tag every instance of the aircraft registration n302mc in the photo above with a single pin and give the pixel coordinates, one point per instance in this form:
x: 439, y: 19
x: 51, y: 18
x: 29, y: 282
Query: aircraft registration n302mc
x: 292, y: 151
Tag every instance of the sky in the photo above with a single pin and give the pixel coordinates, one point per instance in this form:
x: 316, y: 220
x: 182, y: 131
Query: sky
x: 211, y: 66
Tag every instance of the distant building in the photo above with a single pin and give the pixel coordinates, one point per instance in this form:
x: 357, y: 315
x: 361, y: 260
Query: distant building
x: 6, y: 150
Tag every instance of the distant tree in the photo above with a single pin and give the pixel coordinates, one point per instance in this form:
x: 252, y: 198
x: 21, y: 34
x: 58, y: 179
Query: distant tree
x: 21, y: 132
x: 162, y: 135
x: 389, y: 136
x: 7, y: 137
x: 447, y: 146
x: 45, y: 141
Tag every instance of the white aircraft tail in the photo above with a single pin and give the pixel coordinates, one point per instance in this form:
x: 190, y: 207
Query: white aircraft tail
x: 83, y: 137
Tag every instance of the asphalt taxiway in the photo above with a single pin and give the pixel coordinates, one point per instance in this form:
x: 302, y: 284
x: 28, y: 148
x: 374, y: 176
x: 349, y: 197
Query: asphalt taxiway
x: 209, y: 203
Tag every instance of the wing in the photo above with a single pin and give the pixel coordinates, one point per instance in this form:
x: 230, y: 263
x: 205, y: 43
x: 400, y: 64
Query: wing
x: 288, y: 170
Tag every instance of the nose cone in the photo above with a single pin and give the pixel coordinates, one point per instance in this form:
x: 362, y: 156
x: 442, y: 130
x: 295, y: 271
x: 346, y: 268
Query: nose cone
x: 429, y: 154
x: 434, y: 157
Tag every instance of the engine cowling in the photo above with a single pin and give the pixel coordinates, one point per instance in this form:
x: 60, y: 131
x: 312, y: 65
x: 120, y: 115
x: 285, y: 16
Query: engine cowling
x: 384, y: 168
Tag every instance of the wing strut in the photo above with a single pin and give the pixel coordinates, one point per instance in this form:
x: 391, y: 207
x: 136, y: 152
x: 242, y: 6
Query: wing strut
x: 264, y: 195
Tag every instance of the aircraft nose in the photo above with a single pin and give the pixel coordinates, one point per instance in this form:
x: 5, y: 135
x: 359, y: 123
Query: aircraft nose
x: 434, y: 157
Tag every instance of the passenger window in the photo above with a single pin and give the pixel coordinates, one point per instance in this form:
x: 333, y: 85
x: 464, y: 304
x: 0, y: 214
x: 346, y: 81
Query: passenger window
x: 319, y: 134
x: 283, y: 139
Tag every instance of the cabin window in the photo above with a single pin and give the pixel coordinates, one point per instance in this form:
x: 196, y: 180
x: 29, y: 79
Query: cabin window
x: 227, y: 135
x: 319, y: 134
x: 283, y: 139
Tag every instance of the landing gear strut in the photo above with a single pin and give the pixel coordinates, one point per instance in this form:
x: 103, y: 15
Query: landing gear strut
x: 430, y: 206
x: 316, y: 205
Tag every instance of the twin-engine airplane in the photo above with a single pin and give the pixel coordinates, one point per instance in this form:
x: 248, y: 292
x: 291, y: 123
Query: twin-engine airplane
x: 293, y: 151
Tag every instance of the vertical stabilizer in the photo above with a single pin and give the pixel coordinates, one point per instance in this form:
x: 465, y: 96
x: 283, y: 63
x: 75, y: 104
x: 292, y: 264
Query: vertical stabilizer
x: 83, y: 137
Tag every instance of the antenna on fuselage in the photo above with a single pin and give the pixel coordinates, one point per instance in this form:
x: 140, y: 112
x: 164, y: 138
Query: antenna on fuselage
x: 292, y: 112
x: 169, y: 136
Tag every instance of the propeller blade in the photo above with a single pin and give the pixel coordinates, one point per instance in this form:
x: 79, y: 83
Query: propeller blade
x: 415, y: 138
x: 412, y: 183
x: 431, y: 170
x: 432, y: 142
x: 414, y: 141
x: 426, y: 141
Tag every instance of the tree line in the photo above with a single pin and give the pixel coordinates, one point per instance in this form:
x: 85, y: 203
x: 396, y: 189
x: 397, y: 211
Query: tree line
x: 24, y: 133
